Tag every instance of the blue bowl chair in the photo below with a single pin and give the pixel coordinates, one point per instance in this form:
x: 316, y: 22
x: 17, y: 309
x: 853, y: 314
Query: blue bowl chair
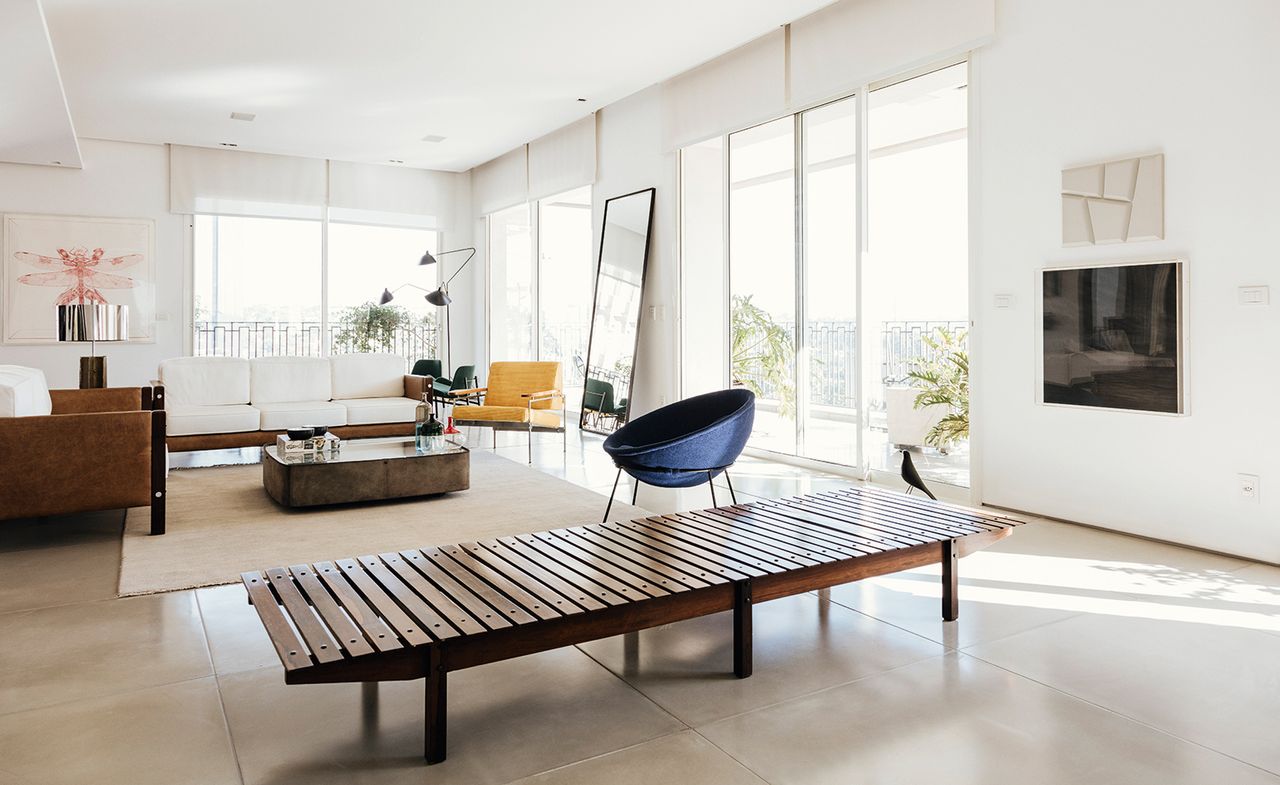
x: 684, y: 444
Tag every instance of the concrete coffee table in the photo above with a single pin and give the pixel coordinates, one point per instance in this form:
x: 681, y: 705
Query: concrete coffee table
x: 364, y: 470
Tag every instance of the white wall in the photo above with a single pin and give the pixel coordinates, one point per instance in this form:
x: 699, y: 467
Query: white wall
x: 118, y: 180
x: 631, y: 157
x: 1091, y: 80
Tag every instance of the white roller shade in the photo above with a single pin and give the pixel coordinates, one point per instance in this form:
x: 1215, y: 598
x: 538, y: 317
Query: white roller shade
x: 231, y: 182
x: 563, y: 160
x: 744, y: 87
x: 391, y: 195
x: 849, y: 44
x: 502, y: 182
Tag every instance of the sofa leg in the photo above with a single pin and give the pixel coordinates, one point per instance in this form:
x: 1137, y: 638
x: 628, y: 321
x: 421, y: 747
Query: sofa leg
x: 159, y: 470
x: 157, y: 512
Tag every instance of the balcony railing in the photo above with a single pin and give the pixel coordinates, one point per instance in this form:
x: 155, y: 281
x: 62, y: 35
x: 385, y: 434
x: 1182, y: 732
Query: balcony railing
x: 833, y: 350
x: 303, y: 339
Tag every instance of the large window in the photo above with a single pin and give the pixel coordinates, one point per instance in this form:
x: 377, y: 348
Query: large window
x: 846, y: 314
x: 540, y: 283
x: 511, y: 282
x: 258, y: 287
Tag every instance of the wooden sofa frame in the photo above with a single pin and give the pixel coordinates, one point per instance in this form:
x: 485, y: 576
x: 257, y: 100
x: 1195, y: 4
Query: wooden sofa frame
x: 423, y: 613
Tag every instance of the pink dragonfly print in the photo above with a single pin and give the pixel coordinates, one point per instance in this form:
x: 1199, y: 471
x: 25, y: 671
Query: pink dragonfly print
x: 81, y: 272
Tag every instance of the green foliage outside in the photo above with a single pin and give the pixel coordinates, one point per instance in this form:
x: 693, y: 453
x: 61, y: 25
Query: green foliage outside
x: 943, y: 378
x: 373, y: 328
x: 761, y: 350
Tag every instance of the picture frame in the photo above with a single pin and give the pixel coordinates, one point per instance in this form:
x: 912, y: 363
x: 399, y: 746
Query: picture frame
x: 1112, y: 336
x: 65, y: 259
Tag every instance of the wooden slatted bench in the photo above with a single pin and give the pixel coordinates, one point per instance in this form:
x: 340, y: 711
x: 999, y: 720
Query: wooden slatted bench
x: 424, y: 613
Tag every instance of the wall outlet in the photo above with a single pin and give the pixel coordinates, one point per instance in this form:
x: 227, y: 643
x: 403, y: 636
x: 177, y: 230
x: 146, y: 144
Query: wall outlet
x: 1248, y: 486
x: 1254, y: 295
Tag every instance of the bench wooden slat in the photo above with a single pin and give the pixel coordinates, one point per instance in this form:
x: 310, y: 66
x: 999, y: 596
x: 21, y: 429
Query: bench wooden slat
x: 787, y: 554
x: 293, y: 655
x: 886, y: 520
x: 899, y: 518
x: 799, y: 550
x: 412, y: 590
x: 572, y: 593
x: 647, y: 581
x: 742, y: 566
x: 632, y: 561
x: 508, y: 608
x: 322, y: 645
x: 503, y: 584
x: 937, y: 513
x: 349, y: 636
x: 408, y: 630
x: 692, y: 567
x: 817, y: 539
x: 591, y: 588
x: 376, y: 631
x: 558, y: 601
x: 873, y: 536
x: 610, y: 579
x: 760, y: 516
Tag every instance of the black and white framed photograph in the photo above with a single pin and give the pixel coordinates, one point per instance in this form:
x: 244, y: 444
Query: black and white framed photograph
x: 1113, y: 336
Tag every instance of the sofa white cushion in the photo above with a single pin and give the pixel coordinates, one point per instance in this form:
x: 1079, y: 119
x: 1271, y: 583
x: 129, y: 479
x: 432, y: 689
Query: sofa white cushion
x: 195, y: 420
x: 289, y: 379
x: 205, y: 381
x: 370, y: 411
x: 367, y: 376
x: 297, y: 414
x: 23, y: 392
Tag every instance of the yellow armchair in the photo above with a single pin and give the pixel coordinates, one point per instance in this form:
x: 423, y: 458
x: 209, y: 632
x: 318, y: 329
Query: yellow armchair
x: 520, y: 396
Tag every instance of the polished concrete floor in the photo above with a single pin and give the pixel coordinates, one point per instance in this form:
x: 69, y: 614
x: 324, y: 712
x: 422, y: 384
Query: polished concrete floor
x: 1079, y: 657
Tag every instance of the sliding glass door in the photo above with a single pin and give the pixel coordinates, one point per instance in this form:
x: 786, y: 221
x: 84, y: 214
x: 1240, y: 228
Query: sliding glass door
x: 848, y: 275
x: 762, y: 277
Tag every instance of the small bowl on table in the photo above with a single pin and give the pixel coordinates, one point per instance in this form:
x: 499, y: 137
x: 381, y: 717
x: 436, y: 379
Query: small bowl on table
x: 318, y: 430
x: 300, y: 434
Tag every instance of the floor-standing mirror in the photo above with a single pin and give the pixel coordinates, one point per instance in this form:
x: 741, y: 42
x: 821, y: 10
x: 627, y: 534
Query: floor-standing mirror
x: 615, y: 321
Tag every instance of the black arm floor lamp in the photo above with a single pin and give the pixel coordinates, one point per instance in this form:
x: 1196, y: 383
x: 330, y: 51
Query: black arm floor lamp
x: 440, y: 297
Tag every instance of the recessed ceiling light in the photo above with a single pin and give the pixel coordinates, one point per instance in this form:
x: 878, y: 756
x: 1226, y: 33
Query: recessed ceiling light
x: 582, y: 100
x: 433, y: 138
x: 228, y: 144
x: 394, y: 161
x: 56, y: 163
x: 246, y: 116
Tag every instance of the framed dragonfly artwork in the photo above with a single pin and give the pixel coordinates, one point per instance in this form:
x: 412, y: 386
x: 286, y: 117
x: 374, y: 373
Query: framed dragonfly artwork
x: 52, y: 260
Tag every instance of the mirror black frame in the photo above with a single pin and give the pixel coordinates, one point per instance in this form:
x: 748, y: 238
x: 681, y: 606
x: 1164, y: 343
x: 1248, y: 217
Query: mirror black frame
x: 595, y: 303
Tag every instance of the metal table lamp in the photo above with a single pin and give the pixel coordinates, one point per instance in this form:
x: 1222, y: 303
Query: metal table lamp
x: 93, y: 322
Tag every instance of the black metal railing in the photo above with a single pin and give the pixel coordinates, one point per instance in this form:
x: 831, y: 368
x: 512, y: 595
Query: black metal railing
x: 250, y: 339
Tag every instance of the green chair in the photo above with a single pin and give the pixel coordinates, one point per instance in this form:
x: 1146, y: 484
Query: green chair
x: 598, y: 403
x: 464, y: 378
x: 431, y: 368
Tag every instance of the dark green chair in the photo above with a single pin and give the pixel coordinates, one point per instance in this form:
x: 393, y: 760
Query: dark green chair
x: 599, y: 405
x: 464, y: 378
x: 431, y: 368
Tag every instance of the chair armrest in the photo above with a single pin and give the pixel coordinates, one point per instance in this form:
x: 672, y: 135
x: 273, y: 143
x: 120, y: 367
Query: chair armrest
x: 470, y: 391
x: 157, y: 394
x: 79, y: 462
x: 101, y: 399
x: 415, y: 386
x: 543, y: 395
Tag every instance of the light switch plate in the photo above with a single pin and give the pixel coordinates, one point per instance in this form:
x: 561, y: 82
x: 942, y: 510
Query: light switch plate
x: 1248, y: 487
x: 1003, y: 300
x: 1254, y: 295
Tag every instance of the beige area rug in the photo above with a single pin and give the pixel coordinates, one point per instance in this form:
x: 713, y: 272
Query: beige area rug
x: 221, y: 523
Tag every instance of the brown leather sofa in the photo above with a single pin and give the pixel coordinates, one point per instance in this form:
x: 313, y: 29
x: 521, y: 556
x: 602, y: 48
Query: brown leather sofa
x: 100, y: 449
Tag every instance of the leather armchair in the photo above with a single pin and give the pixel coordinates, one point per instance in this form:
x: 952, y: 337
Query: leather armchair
x: 100, y: 449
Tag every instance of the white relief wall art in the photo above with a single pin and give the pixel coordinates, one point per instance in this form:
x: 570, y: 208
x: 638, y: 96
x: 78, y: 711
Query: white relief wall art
x: 1113, y: 202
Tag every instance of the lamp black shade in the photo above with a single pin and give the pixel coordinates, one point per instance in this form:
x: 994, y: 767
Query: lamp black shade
x: 386, y: 297
x: 439, y: 297
x: 427, y: 258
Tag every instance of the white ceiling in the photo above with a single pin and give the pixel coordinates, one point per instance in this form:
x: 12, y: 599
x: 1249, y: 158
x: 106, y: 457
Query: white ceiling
x: 366, y: 81
x: 35, y: 127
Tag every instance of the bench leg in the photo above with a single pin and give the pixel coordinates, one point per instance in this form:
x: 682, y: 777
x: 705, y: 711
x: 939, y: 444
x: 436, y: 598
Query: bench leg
x: 950, y: 580
x: 742, y: 629
x: 436, y: 715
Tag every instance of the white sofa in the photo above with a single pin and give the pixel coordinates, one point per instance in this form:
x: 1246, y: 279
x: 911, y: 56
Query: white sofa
x: 216, y: 402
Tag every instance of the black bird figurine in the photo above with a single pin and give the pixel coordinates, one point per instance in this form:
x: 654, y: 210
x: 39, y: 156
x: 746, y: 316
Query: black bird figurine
x: 912, y: 477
